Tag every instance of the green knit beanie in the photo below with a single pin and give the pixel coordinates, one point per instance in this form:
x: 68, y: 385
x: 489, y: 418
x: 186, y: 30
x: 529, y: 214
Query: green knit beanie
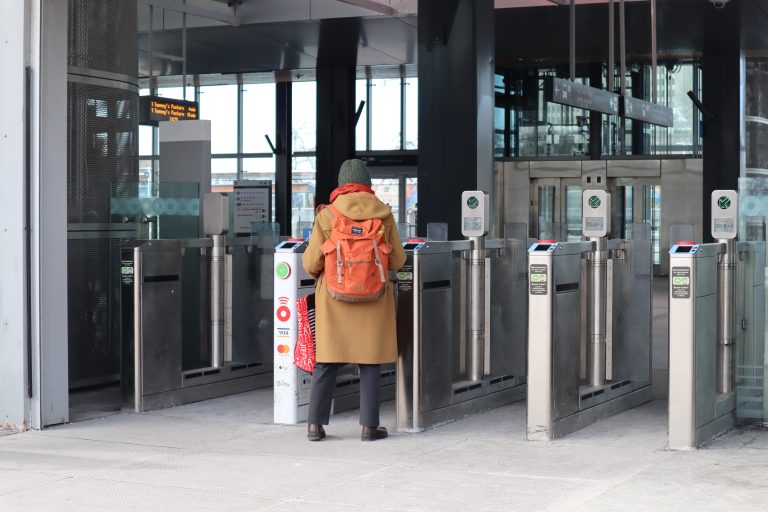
x: 354, y: 171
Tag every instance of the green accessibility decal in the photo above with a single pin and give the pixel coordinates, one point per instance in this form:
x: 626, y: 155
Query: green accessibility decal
x: 594, y: 202
x: 724, y: 203
x: 473, y: 202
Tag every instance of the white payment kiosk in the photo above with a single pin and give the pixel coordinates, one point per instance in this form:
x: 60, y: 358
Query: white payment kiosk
x: 292, y: 385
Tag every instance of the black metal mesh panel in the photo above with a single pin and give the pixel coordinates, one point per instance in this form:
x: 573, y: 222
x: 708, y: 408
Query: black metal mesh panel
x: 103, y: 35
x: 94, y: 341
x: 103, y: 138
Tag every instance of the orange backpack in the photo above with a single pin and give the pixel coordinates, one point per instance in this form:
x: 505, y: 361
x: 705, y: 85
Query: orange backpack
x: 356, y: 259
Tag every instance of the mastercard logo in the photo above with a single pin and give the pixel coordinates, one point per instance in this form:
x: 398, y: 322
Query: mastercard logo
x: 283, y: 349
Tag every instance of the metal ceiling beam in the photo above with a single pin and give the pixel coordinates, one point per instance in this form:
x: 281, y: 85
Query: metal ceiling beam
x: 178, y: 6
x: 371, y: 5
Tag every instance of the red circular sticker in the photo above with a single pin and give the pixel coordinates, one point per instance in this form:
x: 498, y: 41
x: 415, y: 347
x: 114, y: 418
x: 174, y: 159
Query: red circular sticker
x: 283, y: 313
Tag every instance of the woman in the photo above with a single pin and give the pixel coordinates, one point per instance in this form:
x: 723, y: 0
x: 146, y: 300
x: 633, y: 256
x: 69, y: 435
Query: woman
x: 351, y: 332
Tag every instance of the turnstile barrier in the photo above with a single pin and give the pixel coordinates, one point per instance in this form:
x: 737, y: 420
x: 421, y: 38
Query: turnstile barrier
x: 707, y: 393
x: 587, y: 360
x: 168, y: 354
x: 436, y: 382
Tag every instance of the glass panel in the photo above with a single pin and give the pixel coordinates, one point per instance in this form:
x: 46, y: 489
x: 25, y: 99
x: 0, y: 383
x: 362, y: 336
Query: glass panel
x: 652, y: 216
x: 146, y: 178
x: 303, y: 196
x: 388, y: 191
x: 385, y: 114
x: 219, y: 104
x: 411, y: 204
x: 176, y: 93
x: 223, y: 173
x: 146, y: 143
x: 546, y: 213
x: 751, y: 355
x: 623, y: 211
x: 573, y: 201
x: 499, y: 114
x: 258, y: 117
x: 361, y: 130
x: 411, y: 113
x: 304, y: 116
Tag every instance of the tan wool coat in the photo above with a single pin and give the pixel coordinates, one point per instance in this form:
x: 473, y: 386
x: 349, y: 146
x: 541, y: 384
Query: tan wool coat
x: 354, y: 332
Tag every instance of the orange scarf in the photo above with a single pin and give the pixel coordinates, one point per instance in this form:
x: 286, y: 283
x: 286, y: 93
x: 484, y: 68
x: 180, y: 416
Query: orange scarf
x: 349, y: 188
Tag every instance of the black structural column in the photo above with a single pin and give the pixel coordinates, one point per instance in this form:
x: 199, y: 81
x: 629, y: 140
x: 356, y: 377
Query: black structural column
x: 336, y: 73
x: 456, y: 68
x: 283, y: 154
x: 724, y: 87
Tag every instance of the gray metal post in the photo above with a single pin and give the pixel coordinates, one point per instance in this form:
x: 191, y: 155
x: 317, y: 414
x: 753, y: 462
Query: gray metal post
x: 218, y: 253
x: 596, y: 314
x: 476, y: 365
x: 726, y: 328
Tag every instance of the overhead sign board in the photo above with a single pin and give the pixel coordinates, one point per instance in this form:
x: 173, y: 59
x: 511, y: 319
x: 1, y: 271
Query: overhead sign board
x: 639, y: 110
x: 153, y: 109
x: 565, y: 92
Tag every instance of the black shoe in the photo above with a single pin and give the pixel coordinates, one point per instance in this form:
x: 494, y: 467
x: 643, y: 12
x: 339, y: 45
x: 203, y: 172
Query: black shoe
x: 315, y: 432
x: 373, y: 433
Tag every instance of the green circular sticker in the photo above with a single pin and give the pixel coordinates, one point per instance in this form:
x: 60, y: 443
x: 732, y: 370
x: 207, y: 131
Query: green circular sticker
x: 473, y: 202
x: 283, y: 270
x: 724, y: 203
x: 594, y: 202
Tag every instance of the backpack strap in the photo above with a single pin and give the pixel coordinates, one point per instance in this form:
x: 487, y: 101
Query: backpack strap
x: 378, y: 260
x: 339, y: 263
x: 336, y: 214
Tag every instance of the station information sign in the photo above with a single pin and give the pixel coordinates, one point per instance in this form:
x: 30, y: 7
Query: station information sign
x: 153, y: 109
x: 579, y: 95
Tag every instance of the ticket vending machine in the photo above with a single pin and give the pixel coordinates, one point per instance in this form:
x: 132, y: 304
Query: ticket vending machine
x: 589, y: 325
x: 716, y: 313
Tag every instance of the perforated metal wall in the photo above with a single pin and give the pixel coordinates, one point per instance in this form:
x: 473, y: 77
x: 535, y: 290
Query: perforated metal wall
x: 103, y: 35
x: 102, y: 137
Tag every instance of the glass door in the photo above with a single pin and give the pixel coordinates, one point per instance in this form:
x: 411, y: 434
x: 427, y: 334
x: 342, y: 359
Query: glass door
x: 556, y: 209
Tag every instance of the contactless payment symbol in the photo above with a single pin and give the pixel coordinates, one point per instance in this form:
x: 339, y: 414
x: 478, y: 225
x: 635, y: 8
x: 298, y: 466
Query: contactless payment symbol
x: 473, y: 202
x: 594, y: 202
x: 283, y: 270
x: 283, y: 313
x: 724, y: 203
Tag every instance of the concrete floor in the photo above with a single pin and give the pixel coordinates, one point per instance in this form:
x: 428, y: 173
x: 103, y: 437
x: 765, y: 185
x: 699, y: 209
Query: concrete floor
x: 225, y: 455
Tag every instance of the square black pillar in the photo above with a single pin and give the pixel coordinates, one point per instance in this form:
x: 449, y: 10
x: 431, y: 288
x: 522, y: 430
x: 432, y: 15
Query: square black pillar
x: 724, y: 86
x: 336, y: 73
x: 456, y: 69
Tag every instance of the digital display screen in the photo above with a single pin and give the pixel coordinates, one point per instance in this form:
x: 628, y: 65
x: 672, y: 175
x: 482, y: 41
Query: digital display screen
x: 724, y: 225
x: 543, y: 247
x: 594, y: 223
x: 410, y: 247
x: 153, y: 109
x: 288, y: 245
x: 684, y: 248
x: 473, y: 223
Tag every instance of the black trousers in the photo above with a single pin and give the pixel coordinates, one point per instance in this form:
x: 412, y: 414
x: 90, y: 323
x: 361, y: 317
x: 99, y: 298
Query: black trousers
x: 324, y: 383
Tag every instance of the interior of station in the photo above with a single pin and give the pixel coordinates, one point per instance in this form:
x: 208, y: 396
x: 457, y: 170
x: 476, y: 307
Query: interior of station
x: 579, y: 187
